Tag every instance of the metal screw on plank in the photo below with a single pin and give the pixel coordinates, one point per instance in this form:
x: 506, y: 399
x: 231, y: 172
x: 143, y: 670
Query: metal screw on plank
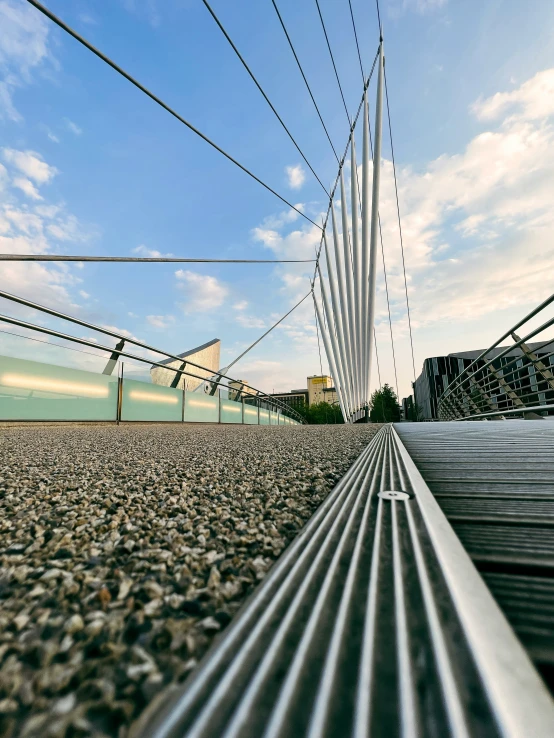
x: 391, y: 494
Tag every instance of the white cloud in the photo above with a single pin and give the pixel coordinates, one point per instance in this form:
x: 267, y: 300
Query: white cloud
x: 150, y: 253
x: 88, y: 19
x: 73, y: 127
x: 30, y: 164
x: 29, y: 228
x: 477, y: 228
x: 53, y: 137
x: 203, y: 293
x: 533, y: 100
x: 242, y: 305
x: 144, y: 8
x: 122, y: 332
x: 84, y: 295
x: 23, y: 49
x: 295, y: 176
x: 26, y: 186
x: 250, y: 321
x: 397, y: 7
x: 160, y: 321
x: 264, y: 373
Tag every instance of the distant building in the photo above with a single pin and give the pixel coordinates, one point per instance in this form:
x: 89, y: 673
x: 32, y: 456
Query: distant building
x: 319, y: 389
x: 408, y: 408
x: 207, y: 355
x: 239, y: 388
x: 295, y: 398
x: 439, y: 371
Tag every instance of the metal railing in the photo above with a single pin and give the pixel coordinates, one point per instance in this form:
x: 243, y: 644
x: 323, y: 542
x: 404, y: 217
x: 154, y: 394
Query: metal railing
x: 506, y: 380
x: 215, y: 380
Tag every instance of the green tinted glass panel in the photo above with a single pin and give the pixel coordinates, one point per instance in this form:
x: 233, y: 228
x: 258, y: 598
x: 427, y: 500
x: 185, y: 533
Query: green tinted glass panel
x: 30, y: 390
x: 231, y: 412
x: 201, y: 408
x: 144, y: 401
x: 273, y: 418
x: 264, y: 416
x: 250, y: 414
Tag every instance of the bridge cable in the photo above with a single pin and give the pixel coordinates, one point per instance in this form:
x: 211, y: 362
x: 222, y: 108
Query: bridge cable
x: 41, y: 8
x: 356, y: 37
x: 58, y: 345
x: 399, y: 224
x: 388, y: 308
x: 350, y: 123
x: 318, y: 343
x: 378, y: 214
x: 333, y: 61
x: 341, y: 162
x: 245, y: 65
x: 147, y: 259
x: 378, y: 371
x: 379, y: 18
x: 226, y: 369
x: 304, y: 78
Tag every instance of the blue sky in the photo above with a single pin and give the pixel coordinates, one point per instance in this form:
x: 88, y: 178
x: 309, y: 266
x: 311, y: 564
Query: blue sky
x: 90, y: 165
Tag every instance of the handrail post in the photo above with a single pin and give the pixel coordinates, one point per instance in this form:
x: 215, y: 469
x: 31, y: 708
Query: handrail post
x: 119, y: 394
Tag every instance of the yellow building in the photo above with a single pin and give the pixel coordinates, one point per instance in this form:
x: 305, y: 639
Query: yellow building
x: 320, y: 389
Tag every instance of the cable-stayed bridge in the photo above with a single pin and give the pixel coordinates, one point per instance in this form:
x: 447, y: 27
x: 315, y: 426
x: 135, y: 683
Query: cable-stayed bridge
x: 418, y: 599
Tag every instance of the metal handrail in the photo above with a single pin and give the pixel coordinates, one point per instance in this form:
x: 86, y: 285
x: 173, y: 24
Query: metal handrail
x: 459, y: 401
x: 121, y: 352
x: 508, y: 333
x: 512, y: 411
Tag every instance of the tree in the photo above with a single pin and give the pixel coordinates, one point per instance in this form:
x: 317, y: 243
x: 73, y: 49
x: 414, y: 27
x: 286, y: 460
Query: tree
x: 384, y: 407
x: 321, y: 413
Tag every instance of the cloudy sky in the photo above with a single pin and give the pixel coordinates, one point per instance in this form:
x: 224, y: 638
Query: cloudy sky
x: 89, y: 165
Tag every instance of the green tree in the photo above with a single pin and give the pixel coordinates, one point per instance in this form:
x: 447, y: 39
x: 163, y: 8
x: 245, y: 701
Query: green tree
x: 321, y: 413
x: 384, y: 407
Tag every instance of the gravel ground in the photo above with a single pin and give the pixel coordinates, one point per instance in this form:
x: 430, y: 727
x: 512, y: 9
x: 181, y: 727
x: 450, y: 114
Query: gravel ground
x: 126, y: 550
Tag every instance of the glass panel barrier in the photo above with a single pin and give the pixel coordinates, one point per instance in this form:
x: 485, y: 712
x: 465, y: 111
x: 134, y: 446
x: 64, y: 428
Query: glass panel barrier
x: 231, y: 412
x: 273, y: 418
x: 264, y: 416
x: 30, y: 390
x: 250, y: 414
x: 200, y: 408
x: 143, y: 401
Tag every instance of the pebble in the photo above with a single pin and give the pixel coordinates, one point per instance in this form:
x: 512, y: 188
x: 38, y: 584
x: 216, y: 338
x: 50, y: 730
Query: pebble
x: 125, y: 550
x: 74, y: 624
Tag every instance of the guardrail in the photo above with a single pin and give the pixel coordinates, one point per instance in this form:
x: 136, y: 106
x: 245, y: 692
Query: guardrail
x: 214, y: 382
x: 506, y: 380
x: 33, y: 391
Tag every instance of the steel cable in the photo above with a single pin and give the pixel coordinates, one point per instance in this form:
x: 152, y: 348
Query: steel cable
x: 147, y: 259
x: 333, y: 61
x: 41, y: 8
x: 304, y: 78
x: 268, y: 101
x: 399, y: 223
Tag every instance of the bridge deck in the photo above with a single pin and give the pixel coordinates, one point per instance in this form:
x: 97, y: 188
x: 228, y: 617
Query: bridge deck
x: 495, y: 483
x: 375, y: 621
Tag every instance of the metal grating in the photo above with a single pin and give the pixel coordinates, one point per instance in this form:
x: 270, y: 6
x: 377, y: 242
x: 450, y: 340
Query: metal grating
x: 373, y: 623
